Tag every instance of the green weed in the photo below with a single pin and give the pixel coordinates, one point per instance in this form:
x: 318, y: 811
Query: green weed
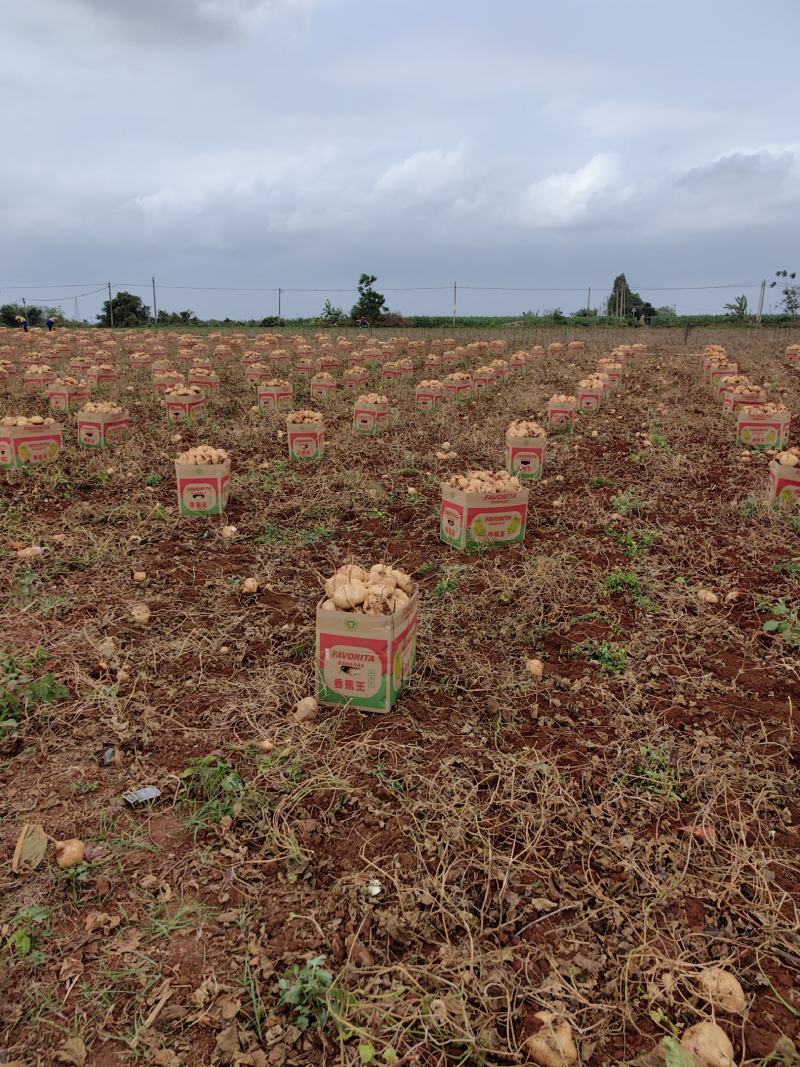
x: 786, y: 625
x: 26, y: 931
x: 22, y: 692
x: 629, y: 502
x: 304, y: 991
x: 609, y: 656
x: 654, y: 774
x: 620, y: 582
x: 215, y: 788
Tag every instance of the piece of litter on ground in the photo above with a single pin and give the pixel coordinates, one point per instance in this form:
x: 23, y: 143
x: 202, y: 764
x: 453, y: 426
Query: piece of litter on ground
x: 135, y: 797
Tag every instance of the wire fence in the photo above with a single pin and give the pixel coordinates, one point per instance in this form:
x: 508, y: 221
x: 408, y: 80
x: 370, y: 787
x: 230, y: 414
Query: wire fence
x: 451, y: 299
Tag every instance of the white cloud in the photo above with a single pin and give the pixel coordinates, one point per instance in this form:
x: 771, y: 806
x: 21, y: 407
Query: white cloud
x: 563, y: 199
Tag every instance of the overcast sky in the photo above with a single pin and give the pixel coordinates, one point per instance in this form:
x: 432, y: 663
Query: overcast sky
x: 258, y: 143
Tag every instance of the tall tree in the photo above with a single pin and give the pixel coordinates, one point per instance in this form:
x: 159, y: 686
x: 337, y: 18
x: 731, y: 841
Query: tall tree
x: 791, y: 291
x: 371, y: 305
x: 622, y: 300
x: 129, y: 310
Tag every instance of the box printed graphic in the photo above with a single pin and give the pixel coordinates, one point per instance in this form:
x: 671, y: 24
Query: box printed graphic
x: 203, y: 487
x: 482, y: 520
x: 322, y: 388
x: 459, y: 390
x: 306, y: 440
x: 99, y: 429
x: 561, y: 414
x: 590, y: 398
x: 761, y: 429
x: 22, y: 446
x: 183, y: 406
x: 784, y: 484
x: 428, y: 398
x: 67, y: 397
x: 525, y: 456
x: 208, y: 382
x: 370, y: 419
x: 365, y: 660
x: 275, y: 397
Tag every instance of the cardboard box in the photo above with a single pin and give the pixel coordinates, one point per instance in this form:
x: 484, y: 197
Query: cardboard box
x: 428, y: 399
x: 432, y: 362
x: 202, y: 487
x: 275, y: 397
x: 280, y: 358
x: 590, y: 398
x: 460, y: 391
x: 328, y: 363
x: 99, y: 429
x: 482, y: 520
x: 101, y: 375
x: 355, y: 359
x: 370, y: 419
x: 38, y: 382
x: 517, y: 361
x: 390, y: 372
x: 22, y: 446
x: 365, y: 660
x: 304, y: 367
x: 163, y: 381
x: 483, y: 379
x: 209, y: 383
x: 81, y: 364
x: 761, y: 429
x: 138, y: 359
x: 793, y: 356
x: 355, y: 381
x: 322, y: 388
x: 561, y: 414
x: 306, y: 441
x: 255, y: 373
x: 525, y: 456
x: 183, y: 406
x: 732, y: 400
x: 716, y: 372
x: 784, y: 484
x: 67, y: 397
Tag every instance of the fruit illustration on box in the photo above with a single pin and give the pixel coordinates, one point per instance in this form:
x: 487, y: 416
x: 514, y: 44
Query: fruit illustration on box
x: 479, y: 527
x: 398, y: 667
x: 747, y: 436
x: 790, y: 494
x: 52, y: 450
x: 24, y: 453
x: 771, y: 436
x: 514, y: 526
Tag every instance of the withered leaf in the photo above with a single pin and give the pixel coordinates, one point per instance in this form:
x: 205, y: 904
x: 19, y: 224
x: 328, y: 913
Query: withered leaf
x: 30, y: 848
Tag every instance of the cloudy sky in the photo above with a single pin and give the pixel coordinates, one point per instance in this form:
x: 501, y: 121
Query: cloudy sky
x: 247, y: 144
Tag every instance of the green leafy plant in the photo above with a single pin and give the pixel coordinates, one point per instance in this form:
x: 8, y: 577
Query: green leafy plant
x: 449, y: 581
x: 216, y: 788
x: 22, y: 692
x: 620, y: 582
x: 786, y: 625
x: 26, y: 930
x: 789, y: 566
x: 656, y: 775
x: 153, y: 479
x: 635, y: 542
x: 629, y: 502
x: 609, y: 656
x: 304, y: 990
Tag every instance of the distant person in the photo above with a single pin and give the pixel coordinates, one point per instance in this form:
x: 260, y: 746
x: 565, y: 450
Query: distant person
x: 50, y: 323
